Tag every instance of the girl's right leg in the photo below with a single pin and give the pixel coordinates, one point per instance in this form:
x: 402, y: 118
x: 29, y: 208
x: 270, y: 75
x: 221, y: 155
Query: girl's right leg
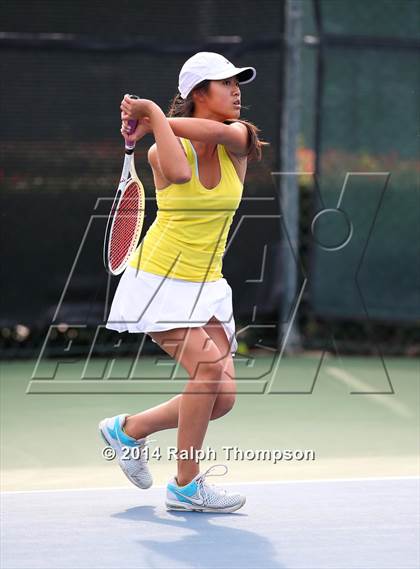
x: 165, y: 415
x: 201, y: 358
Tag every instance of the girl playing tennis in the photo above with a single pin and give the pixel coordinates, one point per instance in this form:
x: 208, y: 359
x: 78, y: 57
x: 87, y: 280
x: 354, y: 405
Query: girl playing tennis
x: 173, y: 288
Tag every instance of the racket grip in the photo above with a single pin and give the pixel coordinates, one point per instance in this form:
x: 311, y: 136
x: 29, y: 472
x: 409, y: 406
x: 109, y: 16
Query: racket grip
x: 130, y: 144
x: 132, y: 124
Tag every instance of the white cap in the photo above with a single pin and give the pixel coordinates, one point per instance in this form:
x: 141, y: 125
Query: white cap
x: 208, y: 65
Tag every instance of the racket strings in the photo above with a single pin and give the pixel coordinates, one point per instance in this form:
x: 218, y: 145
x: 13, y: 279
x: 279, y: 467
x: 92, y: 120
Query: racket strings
x: 127, y: 226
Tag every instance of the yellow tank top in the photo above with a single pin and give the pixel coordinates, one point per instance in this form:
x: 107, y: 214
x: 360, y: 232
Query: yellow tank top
x: 188, y: 237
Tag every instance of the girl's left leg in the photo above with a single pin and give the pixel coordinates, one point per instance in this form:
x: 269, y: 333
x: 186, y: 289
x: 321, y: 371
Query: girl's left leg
x: 165, y: 415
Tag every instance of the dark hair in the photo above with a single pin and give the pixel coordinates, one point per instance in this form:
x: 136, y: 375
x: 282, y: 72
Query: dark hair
x: 180, y: 107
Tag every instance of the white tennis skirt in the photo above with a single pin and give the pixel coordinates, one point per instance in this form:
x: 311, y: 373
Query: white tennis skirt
x: 145, y: 302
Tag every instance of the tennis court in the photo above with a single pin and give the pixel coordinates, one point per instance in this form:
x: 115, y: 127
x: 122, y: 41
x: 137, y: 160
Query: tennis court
x: 356, y: 504
x: 332, y: 524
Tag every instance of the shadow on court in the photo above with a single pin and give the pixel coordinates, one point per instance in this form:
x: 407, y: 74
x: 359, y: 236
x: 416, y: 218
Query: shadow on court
x: 213, y: 538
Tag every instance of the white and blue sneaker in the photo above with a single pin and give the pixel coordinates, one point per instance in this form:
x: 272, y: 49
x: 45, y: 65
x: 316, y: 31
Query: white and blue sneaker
x: 200, y: 496
x: 130, y: 452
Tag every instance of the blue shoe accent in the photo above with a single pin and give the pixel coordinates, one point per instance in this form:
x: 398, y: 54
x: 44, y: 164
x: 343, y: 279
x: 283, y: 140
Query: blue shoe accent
x: 118, y: 434
x: 182, y: 493
x: 180, y: 498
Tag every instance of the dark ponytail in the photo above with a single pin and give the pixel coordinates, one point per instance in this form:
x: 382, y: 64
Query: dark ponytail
x: 255, y: 144
x: 180, y: 107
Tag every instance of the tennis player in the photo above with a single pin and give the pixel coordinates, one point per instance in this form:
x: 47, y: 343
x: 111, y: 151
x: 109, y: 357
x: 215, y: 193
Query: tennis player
x: 173, y: 288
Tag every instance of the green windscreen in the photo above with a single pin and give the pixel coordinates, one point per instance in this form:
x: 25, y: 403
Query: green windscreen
x: 365, y: 258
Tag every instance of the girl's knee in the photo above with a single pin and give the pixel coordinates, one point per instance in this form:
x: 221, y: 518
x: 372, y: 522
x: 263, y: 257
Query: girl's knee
x: 224, y: 403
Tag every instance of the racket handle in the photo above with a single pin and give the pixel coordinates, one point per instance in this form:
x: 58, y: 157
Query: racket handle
x: 130, y: 144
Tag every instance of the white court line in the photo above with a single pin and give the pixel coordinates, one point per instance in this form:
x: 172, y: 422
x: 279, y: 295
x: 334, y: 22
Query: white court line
x: 255, y: 482
x: 386, y: 400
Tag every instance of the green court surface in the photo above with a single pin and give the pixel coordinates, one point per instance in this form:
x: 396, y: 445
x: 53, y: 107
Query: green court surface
x: 49, y: 426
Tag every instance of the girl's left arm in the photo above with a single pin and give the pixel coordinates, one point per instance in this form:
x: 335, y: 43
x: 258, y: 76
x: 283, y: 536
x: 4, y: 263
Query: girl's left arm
x: 234, y: 136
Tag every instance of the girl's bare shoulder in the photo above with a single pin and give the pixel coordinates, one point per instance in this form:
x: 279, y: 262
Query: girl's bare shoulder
x: 153, y: 158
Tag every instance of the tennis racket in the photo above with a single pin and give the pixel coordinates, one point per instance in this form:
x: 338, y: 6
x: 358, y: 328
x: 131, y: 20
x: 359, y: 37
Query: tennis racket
x: 125, y: 220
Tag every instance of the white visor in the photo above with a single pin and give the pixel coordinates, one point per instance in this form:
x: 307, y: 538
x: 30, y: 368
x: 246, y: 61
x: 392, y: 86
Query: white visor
x: 208, y: 65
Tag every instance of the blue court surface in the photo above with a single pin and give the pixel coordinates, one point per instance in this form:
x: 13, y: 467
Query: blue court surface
x: 327, y: 524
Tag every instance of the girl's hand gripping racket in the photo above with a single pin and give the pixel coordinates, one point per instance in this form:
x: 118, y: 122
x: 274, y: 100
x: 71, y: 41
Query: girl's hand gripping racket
x: 125, y: 220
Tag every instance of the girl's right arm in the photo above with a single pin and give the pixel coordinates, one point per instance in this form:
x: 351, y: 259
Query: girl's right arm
x: 172, y: 159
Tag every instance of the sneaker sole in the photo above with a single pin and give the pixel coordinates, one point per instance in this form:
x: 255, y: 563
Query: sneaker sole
x: 184, y: 507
